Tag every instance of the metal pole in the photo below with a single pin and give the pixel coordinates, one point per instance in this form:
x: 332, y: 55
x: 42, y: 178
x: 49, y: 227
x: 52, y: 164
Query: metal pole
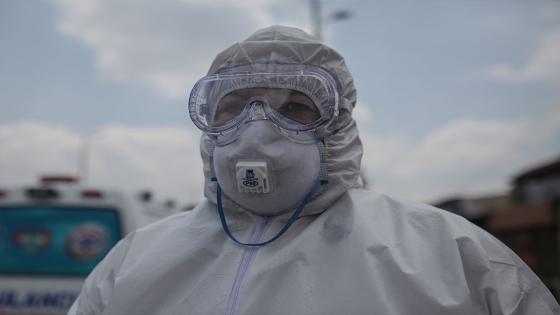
x: 83, y: 159
x: 316, y: 22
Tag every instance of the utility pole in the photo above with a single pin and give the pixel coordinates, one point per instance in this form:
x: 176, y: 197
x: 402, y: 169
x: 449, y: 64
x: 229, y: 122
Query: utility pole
x: 317, y: 18
x: 83, y: 159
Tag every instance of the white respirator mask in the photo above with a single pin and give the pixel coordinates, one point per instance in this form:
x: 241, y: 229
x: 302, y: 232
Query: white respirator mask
x: 266, y: 172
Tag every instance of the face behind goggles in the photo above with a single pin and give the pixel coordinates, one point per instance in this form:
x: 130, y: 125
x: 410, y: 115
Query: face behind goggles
x: 298, y: 99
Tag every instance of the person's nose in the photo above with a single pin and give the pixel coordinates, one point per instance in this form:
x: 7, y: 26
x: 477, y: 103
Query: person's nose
x: 257, y: 111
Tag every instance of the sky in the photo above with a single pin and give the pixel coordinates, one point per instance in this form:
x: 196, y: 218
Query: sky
x: 454, y: 97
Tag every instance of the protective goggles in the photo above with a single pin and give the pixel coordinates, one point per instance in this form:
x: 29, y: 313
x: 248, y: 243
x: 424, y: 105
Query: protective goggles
x: 296, y: 98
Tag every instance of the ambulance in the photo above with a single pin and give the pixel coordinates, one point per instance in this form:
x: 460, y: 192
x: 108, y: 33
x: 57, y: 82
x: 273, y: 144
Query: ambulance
x: 51, y: 237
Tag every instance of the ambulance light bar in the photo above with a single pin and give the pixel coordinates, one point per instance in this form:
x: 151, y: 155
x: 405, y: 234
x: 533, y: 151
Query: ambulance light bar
x: 59, y: 179
x: 93, y: 194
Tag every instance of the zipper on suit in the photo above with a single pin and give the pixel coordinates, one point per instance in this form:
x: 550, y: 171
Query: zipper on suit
x: 248, y: 256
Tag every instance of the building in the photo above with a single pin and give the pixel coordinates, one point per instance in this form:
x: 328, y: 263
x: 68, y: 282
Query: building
x: 527, y: 220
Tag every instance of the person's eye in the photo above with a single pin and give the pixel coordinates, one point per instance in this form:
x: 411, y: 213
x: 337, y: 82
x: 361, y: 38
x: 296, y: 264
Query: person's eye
x: 231, y: 108
x: 226, y: 112
x: 300, y: 112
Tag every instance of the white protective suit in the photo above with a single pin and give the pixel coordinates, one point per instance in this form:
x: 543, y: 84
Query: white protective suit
x: 352, y: 251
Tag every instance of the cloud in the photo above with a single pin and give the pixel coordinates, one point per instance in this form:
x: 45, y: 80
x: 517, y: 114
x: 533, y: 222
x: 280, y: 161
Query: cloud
x: 163, y: 159
x: 31, y: 149
x: 543, y: 65
x: 363, y: 115
x: 465, y: 156
x: 165, y: 45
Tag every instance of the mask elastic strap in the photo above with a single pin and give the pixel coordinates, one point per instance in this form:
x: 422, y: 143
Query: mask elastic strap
x: 292, y: 219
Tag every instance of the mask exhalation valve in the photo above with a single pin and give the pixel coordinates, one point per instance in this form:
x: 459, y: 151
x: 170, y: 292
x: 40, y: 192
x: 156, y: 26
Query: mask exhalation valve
x: 252, y: 177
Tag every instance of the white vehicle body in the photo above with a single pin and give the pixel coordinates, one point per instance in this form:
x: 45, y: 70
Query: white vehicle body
x: 51, y: 237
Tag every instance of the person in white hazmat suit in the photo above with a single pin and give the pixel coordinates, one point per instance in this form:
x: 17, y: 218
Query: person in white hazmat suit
x: 286, y: 227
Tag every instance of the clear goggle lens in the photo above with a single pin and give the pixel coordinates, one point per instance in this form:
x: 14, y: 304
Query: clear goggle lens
x: 291, y: 104
x: 294, y: 97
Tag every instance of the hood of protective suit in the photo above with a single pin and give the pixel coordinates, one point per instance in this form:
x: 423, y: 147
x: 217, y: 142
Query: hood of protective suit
x: 343, y: 149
